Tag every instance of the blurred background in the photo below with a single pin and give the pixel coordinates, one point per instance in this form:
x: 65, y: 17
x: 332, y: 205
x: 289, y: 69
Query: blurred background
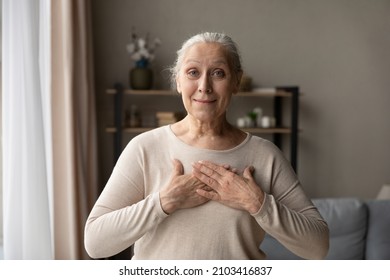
x: 336, y: 51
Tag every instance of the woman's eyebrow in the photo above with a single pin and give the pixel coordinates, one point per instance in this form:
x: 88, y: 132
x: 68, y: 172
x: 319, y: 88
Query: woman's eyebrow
x: 217, y: 61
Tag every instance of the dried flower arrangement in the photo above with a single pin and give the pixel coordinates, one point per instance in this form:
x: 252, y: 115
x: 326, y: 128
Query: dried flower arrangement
x: 141, y: 50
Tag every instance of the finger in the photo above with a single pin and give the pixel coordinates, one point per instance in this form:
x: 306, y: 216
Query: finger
x: 248, y: 171
x: 234, y: 170
x: 208, y: 194
x: 211, y: 169
x: 226, y: 166
x: 209, y: 181
x: 177, y: 168
x: 230, y: 168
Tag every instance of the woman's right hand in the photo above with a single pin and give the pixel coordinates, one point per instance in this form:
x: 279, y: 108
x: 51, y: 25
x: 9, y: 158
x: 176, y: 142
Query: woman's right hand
x: 180, y: 193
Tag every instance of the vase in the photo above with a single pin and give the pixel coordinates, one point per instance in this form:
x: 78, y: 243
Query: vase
x: 141, y: 78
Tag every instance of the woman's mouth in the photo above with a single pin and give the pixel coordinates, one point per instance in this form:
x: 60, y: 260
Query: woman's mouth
x: 204, y: 101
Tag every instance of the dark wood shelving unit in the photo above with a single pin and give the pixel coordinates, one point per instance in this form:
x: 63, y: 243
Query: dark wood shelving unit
x: 292, y: 92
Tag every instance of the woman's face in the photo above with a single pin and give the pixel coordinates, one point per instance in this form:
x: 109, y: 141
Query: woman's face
x: 206, y: 81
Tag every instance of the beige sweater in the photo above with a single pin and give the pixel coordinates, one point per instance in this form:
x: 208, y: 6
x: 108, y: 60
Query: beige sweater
x: 128, y: 210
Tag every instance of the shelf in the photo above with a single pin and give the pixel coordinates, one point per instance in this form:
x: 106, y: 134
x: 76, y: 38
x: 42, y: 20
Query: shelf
x: 279, y: 130
x: 280, y: 93
x: 144, y: 92
x: 129, y: 129
x: 276, y: 93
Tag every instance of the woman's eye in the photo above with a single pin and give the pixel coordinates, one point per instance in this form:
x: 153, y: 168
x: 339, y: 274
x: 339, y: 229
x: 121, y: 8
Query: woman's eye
x: 193, y: 73
x: 218, y: 74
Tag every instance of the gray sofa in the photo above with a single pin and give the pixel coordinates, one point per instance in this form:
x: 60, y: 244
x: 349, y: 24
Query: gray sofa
x: 358, y: 230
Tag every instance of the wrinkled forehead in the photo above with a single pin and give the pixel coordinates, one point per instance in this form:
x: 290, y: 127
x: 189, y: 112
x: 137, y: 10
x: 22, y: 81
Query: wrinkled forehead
x: 214, y: 53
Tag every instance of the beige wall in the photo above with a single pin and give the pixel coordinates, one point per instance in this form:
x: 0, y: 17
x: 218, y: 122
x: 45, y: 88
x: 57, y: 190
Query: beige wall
x: 336, y: 51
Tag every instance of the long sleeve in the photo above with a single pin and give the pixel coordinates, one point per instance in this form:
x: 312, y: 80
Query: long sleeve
x: 302, y: 232
x: 288, y: 215
x: 122, y: 214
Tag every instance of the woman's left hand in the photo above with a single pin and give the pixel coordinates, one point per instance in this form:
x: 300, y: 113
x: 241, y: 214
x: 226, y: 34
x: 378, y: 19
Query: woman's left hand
x: 229, y: 188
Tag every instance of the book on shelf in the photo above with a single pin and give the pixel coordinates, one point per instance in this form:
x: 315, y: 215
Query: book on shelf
x: 167, y: 117
x: 263, y: 90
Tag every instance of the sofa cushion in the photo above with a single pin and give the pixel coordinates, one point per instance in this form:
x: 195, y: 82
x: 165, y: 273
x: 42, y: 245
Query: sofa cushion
x: 378, y: 234
x: 347, y: 222
x: 275, y: 250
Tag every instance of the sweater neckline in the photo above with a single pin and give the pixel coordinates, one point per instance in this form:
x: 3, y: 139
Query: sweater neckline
x: 182, y: 143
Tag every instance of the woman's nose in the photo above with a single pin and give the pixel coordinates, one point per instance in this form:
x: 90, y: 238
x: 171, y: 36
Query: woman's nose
x: 205, y: 84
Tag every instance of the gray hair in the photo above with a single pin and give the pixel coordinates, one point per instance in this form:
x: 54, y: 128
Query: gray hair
x: 207, y: 37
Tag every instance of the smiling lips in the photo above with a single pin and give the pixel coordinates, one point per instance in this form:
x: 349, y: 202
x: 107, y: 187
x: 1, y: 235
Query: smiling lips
x: 204, y: 101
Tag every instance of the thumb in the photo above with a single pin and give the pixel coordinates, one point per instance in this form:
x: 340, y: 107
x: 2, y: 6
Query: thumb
x: 248, y: 172
x: 177, y: 168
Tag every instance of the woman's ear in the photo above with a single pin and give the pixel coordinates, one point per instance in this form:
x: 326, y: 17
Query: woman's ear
x: 237, y: 82
x: 178, y: 88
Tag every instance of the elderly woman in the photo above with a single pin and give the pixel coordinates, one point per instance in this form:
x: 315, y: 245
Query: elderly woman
x: 201, y: 188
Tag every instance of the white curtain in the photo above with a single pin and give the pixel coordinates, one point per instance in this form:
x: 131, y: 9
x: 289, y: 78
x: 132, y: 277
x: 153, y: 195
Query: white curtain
x: 27, y: 166
x: 49, y: 129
